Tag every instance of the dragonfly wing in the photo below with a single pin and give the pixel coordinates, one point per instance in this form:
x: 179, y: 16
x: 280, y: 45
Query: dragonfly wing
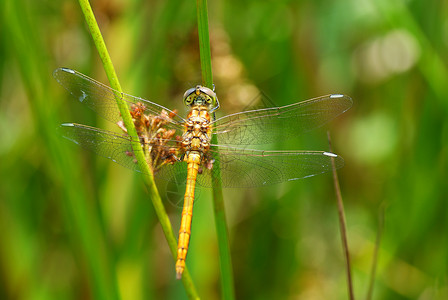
x: 101, y: 98
x: 244, y: 168
x: 175, y: 173
x: 118, y: 148
x: 104, y: 143
x: 267, y: 125
x: 240, y: 168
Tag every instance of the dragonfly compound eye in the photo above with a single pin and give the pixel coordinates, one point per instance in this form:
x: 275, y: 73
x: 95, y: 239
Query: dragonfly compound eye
x: 208, y: 92
x: 189, y: 92
x: 189, y: 100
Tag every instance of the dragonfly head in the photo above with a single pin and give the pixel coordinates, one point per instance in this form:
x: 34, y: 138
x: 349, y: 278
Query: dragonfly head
x: 201, y: 95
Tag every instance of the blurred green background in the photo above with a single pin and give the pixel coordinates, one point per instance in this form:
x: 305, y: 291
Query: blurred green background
x: 77, y: 226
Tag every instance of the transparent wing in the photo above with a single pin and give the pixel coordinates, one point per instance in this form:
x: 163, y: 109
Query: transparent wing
x: 101, y: 98
x: 263, y: 126
x: 244, y: 168
x: 240, y: 168
x: 118, y: 148
x: 110, y: 145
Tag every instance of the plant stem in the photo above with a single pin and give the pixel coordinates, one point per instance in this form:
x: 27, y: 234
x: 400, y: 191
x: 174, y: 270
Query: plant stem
x: 342, y: 225
x: 127, y: 120
x: 225, y: 261
x: 204, y: 43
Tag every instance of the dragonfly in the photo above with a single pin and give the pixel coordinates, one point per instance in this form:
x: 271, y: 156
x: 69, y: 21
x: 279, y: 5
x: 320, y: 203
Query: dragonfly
x: 177, y: 147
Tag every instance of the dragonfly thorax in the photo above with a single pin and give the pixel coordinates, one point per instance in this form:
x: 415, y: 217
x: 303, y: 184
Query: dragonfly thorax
x: 197, y: 132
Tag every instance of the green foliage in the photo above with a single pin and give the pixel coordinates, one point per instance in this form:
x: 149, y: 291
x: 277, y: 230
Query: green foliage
x: 222, y: 232
x: 75, y: 226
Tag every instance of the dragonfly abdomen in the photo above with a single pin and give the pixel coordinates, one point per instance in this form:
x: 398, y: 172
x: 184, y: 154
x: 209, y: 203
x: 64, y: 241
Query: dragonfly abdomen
x: 193, y: 161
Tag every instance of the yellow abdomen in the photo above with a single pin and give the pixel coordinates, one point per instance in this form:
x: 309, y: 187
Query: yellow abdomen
x: 193, y: 161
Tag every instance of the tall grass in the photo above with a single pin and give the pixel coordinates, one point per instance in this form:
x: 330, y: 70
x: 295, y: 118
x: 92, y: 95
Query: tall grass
x: 225, y: 262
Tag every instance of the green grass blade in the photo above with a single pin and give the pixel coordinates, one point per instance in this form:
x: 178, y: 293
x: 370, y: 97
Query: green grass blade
x: 87, y: 236
x: 204, y: 44
x: 149, y: 179
x: 225, y: 261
